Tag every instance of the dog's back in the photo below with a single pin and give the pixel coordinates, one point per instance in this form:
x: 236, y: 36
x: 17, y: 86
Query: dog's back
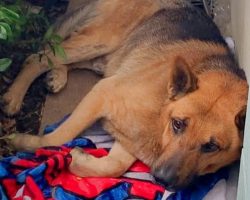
x: 173, y: 26
x: 172, y: 21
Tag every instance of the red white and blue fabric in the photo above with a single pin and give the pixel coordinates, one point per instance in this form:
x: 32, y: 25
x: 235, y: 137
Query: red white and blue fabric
x: 44, y: 175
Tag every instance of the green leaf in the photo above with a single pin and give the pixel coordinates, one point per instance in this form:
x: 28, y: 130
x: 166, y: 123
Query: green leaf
x: 59, y: 51
x: 3, y: 15
x: 5, y: 31
x: 22, y: 20
x: 50, y: 63
x: 6, y: 26
x: 8, y: 14
x: 48, y: 34
x: 57, y: 39
x: 4, y: 64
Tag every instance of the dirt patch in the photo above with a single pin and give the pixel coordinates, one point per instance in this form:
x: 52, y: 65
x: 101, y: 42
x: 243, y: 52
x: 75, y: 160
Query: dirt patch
x: 29, y: 118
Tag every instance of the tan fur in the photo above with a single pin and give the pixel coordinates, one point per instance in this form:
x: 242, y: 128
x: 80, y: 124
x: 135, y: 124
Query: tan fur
x: 139, y: 96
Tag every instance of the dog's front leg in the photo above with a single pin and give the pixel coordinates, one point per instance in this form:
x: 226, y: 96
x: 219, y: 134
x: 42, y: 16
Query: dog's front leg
x: 92, y: 107
x: 114, y: 164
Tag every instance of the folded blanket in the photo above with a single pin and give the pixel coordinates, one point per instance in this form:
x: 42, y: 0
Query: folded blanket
x: 44, y: 175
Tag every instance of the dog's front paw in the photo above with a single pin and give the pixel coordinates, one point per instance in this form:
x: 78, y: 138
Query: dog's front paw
x: 11, y: 103
x: 23, y: 142
x: 77, y: 166
x: 56, y: 79
x: 11, y: 140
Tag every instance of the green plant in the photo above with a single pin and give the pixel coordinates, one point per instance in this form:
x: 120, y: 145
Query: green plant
x: 54, y: 42
x: 8, y: 21
x: 22, y: 28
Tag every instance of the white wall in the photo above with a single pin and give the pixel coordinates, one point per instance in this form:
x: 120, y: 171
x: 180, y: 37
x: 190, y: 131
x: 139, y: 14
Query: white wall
x: 241, y: 31
x: 241, y: 34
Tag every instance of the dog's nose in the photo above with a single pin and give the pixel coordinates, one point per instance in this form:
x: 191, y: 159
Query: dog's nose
x: 167, y: 176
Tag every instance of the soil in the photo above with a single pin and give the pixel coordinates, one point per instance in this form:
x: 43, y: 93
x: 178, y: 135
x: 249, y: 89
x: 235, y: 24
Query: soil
x: 29, y: 118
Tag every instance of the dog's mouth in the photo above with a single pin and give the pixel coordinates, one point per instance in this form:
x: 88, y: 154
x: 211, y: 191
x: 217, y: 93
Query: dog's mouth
x: 167, y: 186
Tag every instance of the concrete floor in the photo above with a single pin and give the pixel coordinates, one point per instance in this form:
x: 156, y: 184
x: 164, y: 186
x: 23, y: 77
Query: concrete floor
x: 222, y: 16
x: 58, y: 105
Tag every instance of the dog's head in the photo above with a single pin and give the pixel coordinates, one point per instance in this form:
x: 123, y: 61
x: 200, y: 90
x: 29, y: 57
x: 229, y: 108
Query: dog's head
x: 204, y: 121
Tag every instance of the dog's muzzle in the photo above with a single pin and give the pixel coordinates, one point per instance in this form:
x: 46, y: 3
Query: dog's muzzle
x: 167, y: 177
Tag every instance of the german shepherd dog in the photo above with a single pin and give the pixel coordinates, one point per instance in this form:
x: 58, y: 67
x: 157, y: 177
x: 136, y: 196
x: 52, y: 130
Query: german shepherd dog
x: 172, y: 95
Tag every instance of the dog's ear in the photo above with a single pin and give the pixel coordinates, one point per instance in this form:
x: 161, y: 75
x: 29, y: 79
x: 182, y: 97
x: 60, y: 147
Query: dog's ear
x: 240, y: 120
x: 181, y: 79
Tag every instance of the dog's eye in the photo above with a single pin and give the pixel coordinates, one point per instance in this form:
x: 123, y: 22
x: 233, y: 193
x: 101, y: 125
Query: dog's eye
x: 210, y: 147
x: 179, y: 125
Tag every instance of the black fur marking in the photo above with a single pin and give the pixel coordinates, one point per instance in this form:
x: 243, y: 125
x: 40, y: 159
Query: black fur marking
x: 191, y: 23
x: 182, y: 24
x: 222, y: 62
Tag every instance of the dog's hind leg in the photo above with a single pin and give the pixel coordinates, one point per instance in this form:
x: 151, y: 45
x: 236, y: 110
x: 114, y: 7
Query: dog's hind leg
x: 99, y: 35
x: 57, y: 78
x: 114, y: 164
x: 77, y: 49
x: 88, y: 48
